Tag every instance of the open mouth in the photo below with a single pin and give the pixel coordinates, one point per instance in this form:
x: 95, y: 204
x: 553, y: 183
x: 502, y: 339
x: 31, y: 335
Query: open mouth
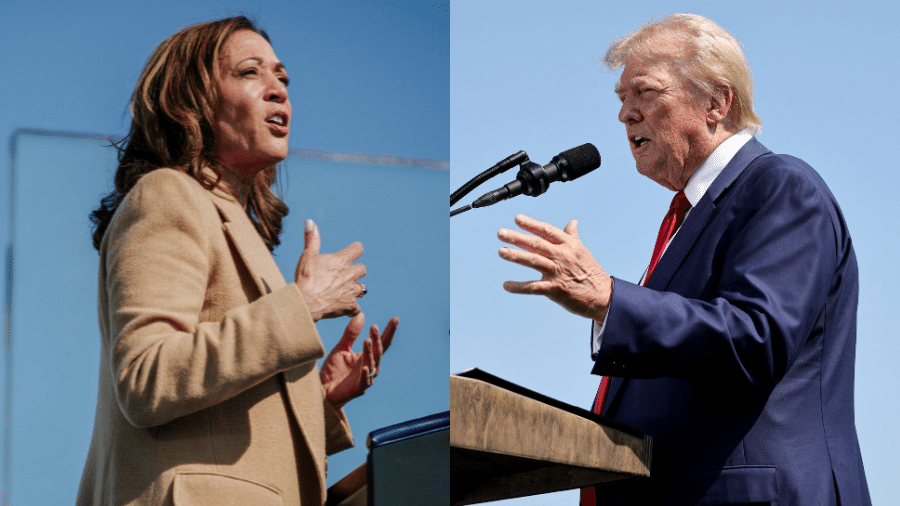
x: 639, y: 141
x: 278, y: 119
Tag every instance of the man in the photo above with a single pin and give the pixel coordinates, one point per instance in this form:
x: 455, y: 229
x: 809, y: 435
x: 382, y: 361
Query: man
x: 736, y: 352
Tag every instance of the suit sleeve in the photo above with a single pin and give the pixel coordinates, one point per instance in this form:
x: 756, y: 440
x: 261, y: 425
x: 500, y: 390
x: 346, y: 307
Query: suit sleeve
x: 338, y: 436
x: 744, y: 301
x: 165, y: 362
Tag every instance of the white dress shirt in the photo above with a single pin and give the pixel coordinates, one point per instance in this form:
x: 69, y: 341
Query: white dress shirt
x: 694, y: 190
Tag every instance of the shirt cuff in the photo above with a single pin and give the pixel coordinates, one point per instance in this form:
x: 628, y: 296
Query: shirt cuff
x: 597, y: 330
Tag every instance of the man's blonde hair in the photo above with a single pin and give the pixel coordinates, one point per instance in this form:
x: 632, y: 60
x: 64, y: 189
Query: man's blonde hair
x: 709, y: 58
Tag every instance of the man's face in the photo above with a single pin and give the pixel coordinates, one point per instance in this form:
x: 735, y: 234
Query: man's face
x: 666, y: 124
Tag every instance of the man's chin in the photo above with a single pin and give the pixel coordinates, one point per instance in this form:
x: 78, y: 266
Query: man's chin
x: 657, y: 176
x: 648, y: 170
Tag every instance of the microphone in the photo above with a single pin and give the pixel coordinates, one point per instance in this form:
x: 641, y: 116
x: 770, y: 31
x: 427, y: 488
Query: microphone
x: 533, y: 180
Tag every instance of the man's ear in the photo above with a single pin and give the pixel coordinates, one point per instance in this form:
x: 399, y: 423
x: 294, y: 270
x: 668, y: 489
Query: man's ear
x: 719, y: 105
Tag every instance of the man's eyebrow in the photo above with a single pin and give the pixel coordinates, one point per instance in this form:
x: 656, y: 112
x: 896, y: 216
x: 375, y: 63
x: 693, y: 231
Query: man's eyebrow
x: 636, y: 82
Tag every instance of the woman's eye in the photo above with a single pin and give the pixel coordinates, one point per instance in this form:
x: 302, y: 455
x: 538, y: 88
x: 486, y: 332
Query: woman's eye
x: 248, y: 72
x: 285, y: 80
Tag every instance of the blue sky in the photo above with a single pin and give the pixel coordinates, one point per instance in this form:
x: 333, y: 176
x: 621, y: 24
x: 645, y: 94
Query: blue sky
x: 524, y: 75
x: 365, y: 78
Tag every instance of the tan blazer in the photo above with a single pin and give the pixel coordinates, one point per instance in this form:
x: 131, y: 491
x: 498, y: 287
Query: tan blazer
x: 209, y: 391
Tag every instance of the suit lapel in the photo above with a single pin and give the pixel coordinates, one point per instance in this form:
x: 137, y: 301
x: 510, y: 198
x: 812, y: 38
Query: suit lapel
x: 701, y: 215
x: 249, y: 245
x: 689, y: 232
x: 298, y: 381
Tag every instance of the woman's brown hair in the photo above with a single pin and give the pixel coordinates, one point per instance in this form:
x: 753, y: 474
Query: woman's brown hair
x: 173, y: 108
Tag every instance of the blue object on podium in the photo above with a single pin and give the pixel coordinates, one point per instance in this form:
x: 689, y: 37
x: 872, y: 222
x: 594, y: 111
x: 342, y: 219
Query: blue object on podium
x: 408, y: 464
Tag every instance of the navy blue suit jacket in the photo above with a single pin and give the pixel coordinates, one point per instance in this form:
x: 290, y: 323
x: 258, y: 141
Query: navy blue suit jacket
x: 738, y: 357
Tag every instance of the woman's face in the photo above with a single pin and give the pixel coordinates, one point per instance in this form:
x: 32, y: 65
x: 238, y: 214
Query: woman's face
x: 253, y: 118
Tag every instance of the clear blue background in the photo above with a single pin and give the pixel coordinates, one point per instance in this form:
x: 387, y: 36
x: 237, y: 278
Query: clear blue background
x: 524, y: 76
x: 364, y: 79
x: 373, y: 79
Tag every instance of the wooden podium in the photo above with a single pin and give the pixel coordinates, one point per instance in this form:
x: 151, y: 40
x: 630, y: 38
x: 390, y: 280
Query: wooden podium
x: 507, y: 441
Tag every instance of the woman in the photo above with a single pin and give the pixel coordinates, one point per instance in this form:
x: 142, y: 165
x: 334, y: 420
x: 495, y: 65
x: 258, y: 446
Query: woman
x: 209, y: 391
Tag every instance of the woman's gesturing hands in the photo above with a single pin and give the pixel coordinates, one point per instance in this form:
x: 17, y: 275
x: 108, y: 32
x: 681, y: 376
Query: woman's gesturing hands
x: 329, y: 286
x: 329, y: 281
x: 346, y: 374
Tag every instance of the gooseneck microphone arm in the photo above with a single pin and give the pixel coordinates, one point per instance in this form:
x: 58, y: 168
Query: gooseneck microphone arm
x: 532, y: 179
x: 501, y: 167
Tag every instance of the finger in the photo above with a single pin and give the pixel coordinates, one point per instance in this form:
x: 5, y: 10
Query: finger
x: 351, y: 252
x: 387, y: 337
x: 528, y: 242
x: 352, y: 291
x: 572, y: 228
x: 366, y: 380
x: 369, y: 356
x: 355, y: 311
x: 377, y: 345
x: 527, y: 287
x: 311, y: 239
x: 352, y: 332
x: 537, y: 262
x: 357, y: 271
x: 539, y: 228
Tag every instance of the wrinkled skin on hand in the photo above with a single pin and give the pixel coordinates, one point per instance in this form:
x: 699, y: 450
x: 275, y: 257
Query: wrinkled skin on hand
x: 569, y: 274
x: 328, y: 282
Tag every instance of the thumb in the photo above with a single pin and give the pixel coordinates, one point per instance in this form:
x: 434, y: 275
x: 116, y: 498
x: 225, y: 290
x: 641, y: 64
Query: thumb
x: 572, y: 228
x: 351, y: 332
x: 311, y: 240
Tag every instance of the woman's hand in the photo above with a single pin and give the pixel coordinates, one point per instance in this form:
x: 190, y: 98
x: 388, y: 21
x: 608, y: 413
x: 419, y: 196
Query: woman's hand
x: 345, y: 374
x: 329, y: 281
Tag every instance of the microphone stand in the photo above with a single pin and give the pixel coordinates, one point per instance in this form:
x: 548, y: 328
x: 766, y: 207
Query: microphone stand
x: 460, y: 210
x: 533, y: 179
x: 507, y: 163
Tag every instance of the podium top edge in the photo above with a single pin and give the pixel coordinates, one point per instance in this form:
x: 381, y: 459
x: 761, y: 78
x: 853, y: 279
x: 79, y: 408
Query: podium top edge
x: 481, y: 375
x: 408, y: 429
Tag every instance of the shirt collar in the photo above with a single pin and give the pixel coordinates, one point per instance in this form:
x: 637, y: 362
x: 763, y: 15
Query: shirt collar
x: 711, y: 167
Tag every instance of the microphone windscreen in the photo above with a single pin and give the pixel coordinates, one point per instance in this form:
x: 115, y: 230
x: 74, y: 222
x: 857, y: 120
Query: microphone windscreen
x: 581, y: 159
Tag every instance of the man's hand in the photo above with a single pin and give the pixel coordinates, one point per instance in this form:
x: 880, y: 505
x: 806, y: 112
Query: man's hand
x: 346, y: 374
x: 570, y: 275
x: 329, y: 281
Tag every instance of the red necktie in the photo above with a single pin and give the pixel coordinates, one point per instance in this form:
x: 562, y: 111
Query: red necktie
x: 677, y: 210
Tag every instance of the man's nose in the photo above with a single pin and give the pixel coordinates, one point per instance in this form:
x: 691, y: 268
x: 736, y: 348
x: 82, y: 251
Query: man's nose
x: 629, y: 113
